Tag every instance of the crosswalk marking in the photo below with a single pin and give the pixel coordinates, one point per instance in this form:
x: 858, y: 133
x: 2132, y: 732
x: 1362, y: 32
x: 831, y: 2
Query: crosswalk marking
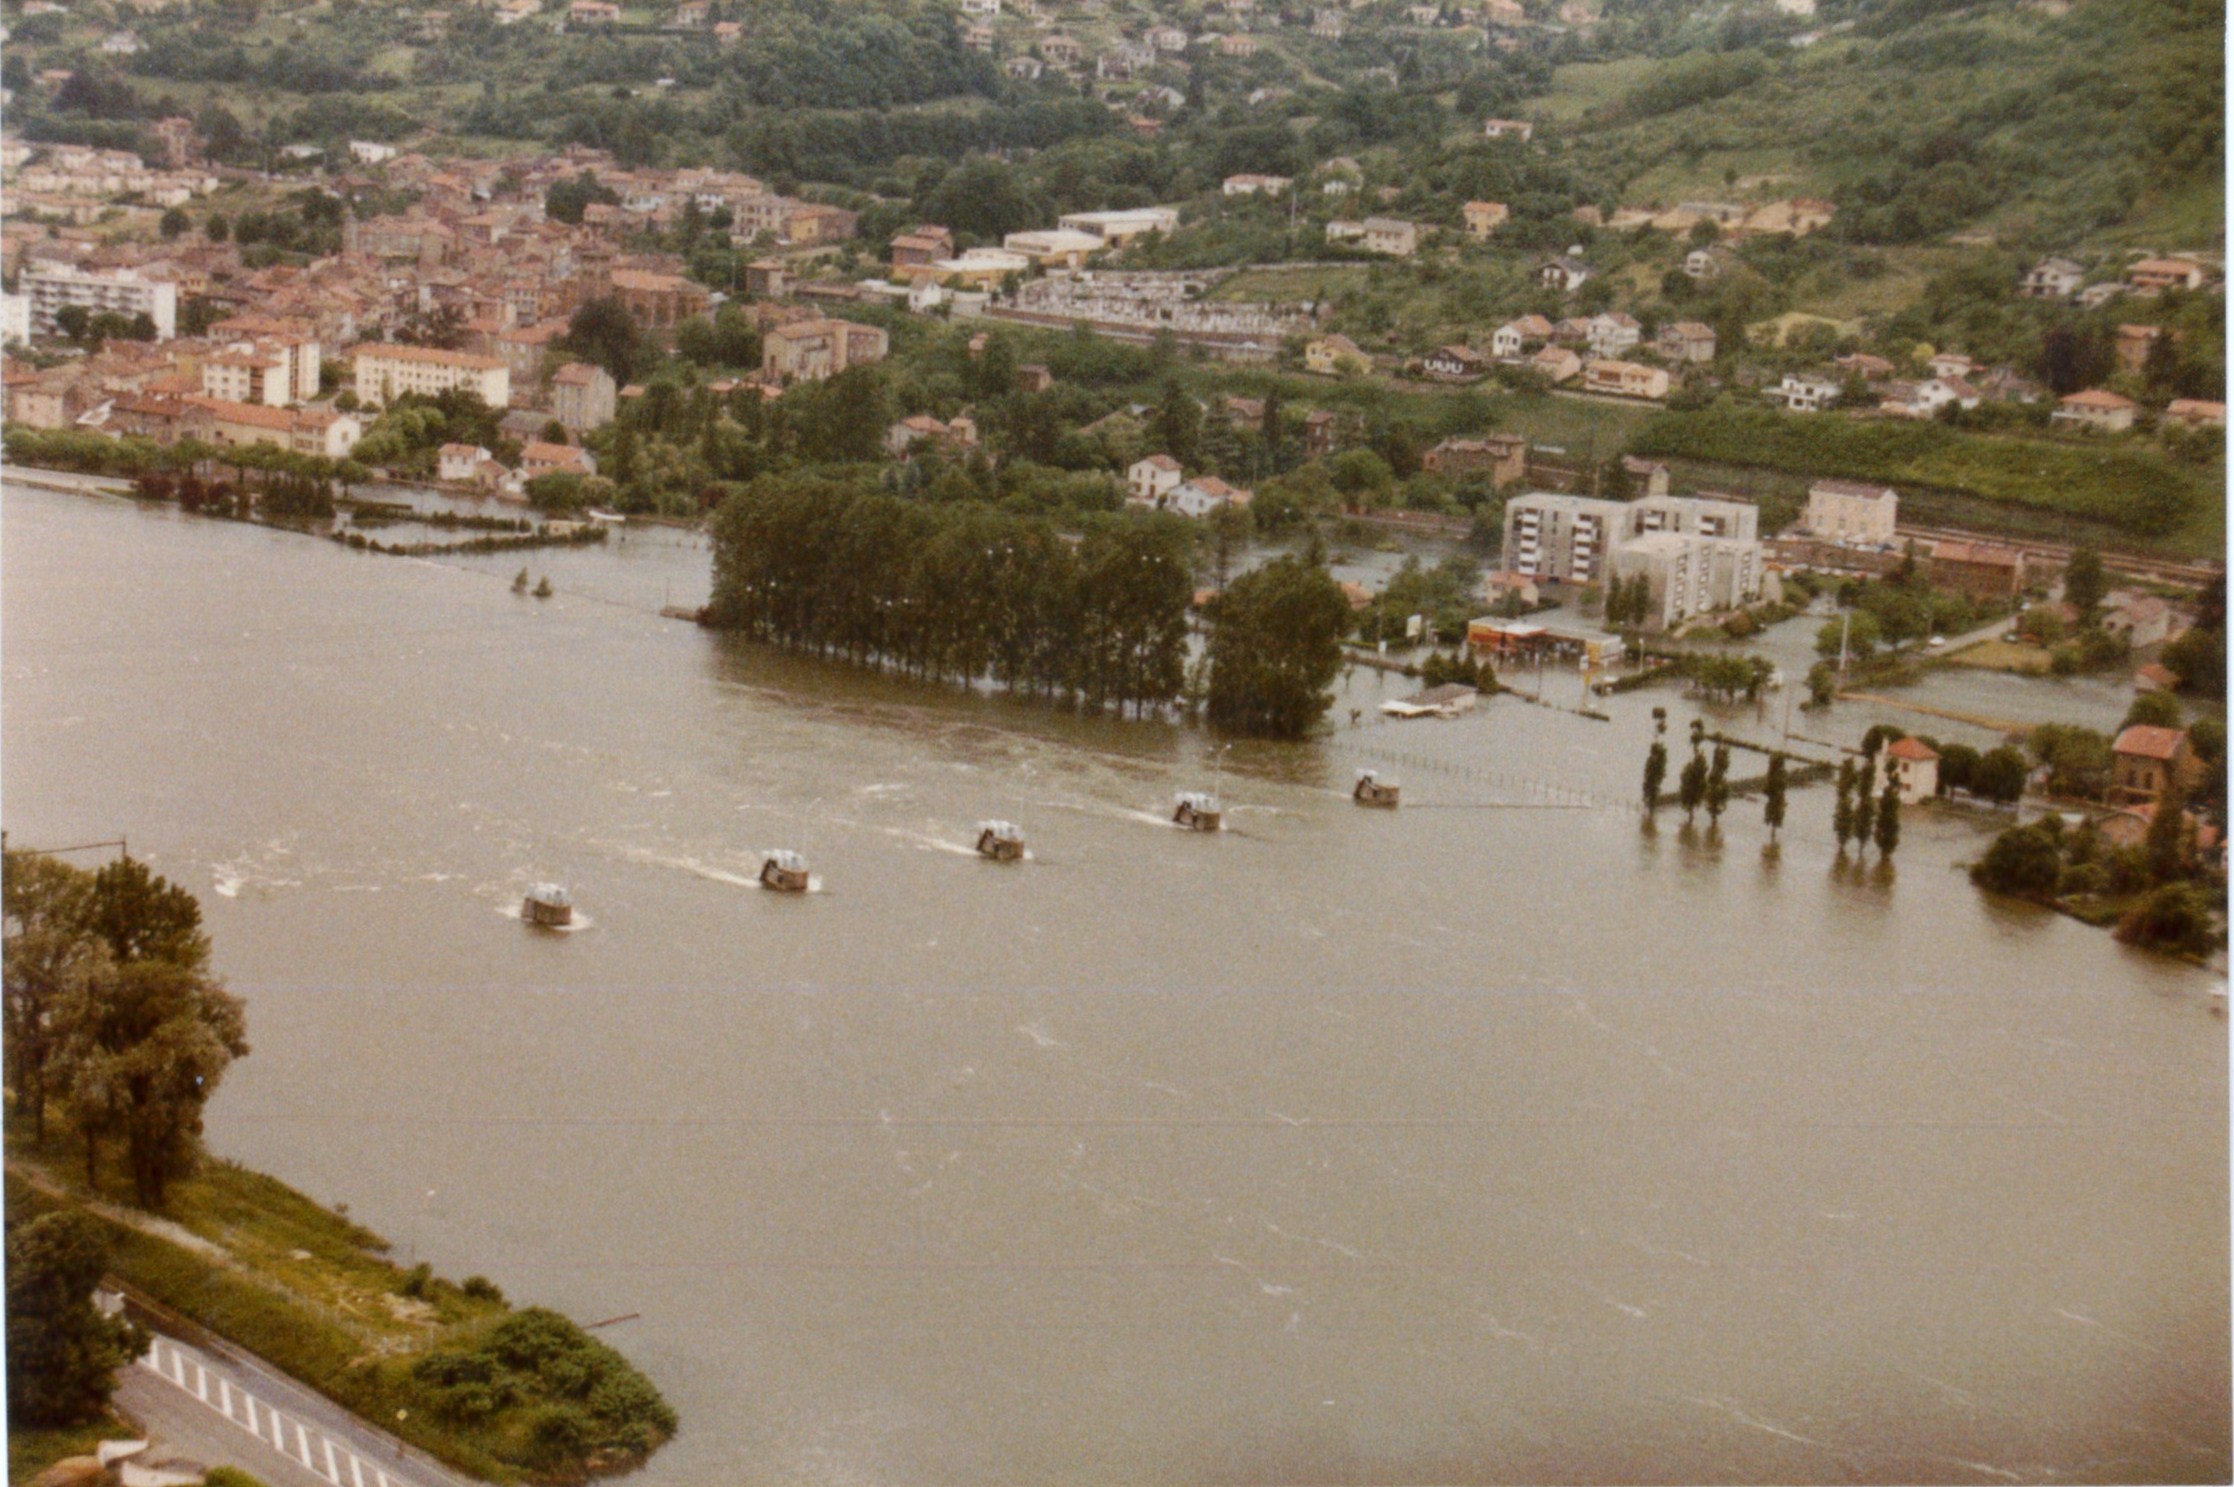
x: 276, y: 1434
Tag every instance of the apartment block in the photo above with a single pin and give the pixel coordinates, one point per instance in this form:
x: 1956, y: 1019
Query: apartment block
x: 54, y: 289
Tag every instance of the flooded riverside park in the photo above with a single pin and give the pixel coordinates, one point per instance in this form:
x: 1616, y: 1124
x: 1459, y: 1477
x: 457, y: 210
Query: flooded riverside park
x: 1500, y: 1137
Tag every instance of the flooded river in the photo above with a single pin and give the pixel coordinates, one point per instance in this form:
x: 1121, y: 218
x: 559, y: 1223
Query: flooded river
x: 1492, y: 1139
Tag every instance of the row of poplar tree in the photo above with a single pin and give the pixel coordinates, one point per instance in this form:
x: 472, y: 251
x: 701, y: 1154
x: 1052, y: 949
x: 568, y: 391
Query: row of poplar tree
x: 969, y: 592
x: 1859, y: 816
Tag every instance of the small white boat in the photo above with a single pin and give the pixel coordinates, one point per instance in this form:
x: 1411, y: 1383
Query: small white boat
x: 1198, y: 811
x: 1003, y: 841
x: 549, y: 905
x: 1375, y: 789
x: 784, y: 871
x: 610, y: 518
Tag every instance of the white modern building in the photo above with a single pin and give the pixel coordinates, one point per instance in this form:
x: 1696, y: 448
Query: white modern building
x: 1697, y: 554
x: 123, y: 292
x: 1116, y: 228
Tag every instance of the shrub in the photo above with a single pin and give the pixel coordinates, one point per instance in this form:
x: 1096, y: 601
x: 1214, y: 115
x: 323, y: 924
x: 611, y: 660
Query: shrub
x: 2178, y: 917
x: 480, y: 1287
x: 230, y: 1476
x: 417, y: 1280
x: 2084, y: 880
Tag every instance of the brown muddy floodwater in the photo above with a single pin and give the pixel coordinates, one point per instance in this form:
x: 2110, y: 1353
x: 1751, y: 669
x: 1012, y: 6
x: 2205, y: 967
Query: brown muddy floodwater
x: 1460, y: 1143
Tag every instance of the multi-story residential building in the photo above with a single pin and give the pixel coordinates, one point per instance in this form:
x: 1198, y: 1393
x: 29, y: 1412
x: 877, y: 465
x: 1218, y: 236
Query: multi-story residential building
x: 524, y: 350
x: 53, y: 288
x: 1978, y: 570
x: 294, y: 340
x: 811, y: 350
x: 1850, y: 511
x: 1688, y: 575
x: 1698, y: 554
x: 660, y: 300
x: 385, y: 371
x: 2149, y: 761
x: 1561, y: 539
x: 583, y: 396
x: 1694, y: 516
x: 249, y: 373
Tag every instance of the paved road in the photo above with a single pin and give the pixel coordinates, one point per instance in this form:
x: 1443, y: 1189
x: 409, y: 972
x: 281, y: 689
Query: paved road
x: 219, y: 1406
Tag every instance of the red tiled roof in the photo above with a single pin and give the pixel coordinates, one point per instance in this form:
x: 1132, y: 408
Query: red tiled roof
x: 1914, y: 750
x: 2097, y: 397
x: 429, y: 355
x: 2146, y: 742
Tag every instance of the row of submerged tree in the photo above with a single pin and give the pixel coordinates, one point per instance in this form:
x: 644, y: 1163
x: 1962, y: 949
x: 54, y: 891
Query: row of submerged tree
x: 1862, y: 815
x: 1704, y: 781
x: 969, y: 593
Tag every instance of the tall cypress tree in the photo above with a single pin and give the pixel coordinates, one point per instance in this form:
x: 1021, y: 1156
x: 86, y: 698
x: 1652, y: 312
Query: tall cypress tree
x: 1888, y: 820
x: 1772, y: 807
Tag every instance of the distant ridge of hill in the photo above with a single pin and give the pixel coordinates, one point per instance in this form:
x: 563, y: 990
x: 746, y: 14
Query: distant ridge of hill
x: 1921, y: 118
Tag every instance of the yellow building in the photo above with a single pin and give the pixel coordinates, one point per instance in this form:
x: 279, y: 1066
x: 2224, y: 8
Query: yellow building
x: 385, y: 372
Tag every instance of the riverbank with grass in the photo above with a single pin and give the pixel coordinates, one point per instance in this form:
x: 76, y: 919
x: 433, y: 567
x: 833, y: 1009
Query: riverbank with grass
x: 31, y: 1452
x: 511, y: 1395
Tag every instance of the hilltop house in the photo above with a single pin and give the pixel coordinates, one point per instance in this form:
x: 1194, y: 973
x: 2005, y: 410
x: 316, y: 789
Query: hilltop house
x: 1625, y: 379
x: 1612, y: 333
x: 1686, y: 341
x: 2052, y: 278
x: 1335, y: 356
x: 1454, y: 363
x: 1558, y: 364
x: 1484, y: 217
x: 1151, y: 479
x: 1514, y: 337
x: 1566, y: 273
x: 1805, y: 392
x: 1392, y: 236
x: 2096, y: 408
x: 2153, y: 274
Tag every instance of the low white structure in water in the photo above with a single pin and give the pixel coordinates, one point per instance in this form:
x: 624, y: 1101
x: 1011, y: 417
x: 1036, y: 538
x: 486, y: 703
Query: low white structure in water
x: 1003, y: 841
x: 1373, y: 788
x: 1198, y: 811
x: 784, y: 871
x: 548, y: 904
